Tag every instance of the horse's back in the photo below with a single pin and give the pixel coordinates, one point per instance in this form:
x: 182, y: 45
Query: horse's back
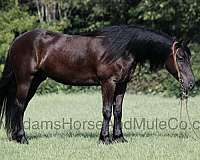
x: 76, y: 60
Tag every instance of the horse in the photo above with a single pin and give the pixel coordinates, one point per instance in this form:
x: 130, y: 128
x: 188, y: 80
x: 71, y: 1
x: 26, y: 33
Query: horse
x: 106, y: 58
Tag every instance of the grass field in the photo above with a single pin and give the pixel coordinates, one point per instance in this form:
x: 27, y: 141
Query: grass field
x: 79, y: 140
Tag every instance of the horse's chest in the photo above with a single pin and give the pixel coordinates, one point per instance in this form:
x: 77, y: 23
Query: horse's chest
x: 119, y: 71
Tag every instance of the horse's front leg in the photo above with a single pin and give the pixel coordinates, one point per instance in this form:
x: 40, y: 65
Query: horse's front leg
x: 108, y: 90
x: 117, y: 111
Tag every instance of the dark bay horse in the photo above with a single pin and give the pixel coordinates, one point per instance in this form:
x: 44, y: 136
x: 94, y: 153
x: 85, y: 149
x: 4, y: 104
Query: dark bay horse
x: 107, y: 57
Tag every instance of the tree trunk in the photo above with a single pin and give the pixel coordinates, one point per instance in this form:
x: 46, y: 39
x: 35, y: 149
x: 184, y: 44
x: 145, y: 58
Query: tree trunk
x: 16, y: 3
x: 39, y: 10
x: 48, y: 11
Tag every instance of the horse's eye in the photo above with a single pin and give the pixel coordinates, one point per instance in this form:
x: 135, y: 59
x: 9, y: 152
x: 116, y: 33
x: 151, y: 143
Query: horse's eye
x: 180, y: 59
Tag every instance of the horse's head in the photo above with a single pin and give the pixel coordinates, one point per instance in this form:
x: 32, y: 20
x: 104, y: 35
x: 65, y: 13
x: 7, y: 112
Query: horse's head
x: 179, y: 65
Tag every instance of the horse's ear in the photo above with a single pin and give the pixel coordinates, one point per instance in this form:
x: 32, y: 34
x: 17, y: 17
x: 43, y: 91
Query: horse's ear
x: 178, y: 44
x: 181, y: 41
x: 185, y: 43
x: 174, y: 39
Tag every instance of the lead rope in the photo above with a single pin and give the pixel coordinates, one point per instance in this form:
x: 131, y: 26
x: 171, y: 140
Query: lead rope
x: 180, y: 118
x: 184, y: 96
x: 190, y: 122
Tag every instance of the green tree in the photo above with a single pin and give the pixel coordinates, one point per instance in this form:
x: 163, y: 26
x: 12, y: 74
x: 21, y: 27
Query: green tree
x: 13, y: 21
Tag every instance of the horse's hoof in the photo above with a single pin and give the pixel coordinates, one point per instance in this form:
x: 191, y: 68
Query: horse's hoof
x: 120, y: 140
x: 105, y: 141
x: 23, y: 140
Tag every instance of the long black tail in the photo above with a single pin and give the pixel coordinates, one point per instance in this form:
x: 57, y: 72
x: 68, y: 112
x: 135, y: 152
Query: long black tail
x: 7, y: 95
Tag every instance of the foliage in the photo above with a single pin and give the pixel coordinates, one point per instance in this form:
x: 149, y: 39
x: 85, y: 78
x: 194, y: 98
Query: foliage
x: 13, y: 21
x: 179, y: 18
x: 50, y: 86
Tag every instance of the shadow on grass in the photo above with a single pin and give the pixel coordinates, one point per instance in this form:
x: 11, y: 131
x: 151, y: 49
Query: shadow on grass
x: 180, y: 135
x: 64, y: 134
x: 72, y: 134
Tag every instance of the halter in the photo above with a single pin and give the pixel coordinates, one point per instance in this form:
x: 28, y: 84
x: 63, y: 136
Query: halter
x: 174, y: 53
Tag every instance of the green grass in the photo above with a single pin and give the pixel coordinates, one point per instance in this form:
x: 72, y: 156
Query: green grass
x: 64, y: 144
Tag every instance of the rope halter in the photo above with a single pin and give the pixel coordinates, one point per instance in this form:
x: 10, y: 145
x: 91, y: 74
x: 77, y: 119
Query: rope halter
x: 174, y: 54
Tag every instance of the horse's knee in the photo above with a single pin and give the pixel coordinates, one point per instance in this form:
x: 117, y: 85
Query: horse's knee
x: 117, y: 113
x: 107, y: 112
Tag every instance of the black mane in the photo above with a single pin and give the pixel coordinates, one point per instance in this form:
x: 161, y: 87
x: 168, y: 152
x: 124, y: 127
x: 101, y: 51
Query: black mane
x: 145, y: 44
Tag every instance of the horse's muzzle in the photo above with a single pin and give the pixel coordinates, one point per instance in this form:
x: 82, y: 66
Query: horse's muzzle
x: 191, y: 85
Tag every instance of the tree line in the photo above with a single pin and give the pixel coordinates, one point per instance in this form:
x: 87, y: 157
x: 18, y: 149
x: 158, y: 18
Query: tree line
x: 179, y: 18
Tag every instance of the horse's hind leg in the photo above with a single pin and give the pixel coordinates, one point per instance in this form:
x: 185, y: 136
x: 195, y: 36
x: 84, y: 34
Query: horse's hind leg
x: 17, y: 126
x: 28, y: 93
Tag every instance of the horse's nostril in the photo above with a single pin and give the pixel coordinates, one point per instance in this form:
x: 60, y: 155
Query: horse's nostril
x: 191, y: 85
